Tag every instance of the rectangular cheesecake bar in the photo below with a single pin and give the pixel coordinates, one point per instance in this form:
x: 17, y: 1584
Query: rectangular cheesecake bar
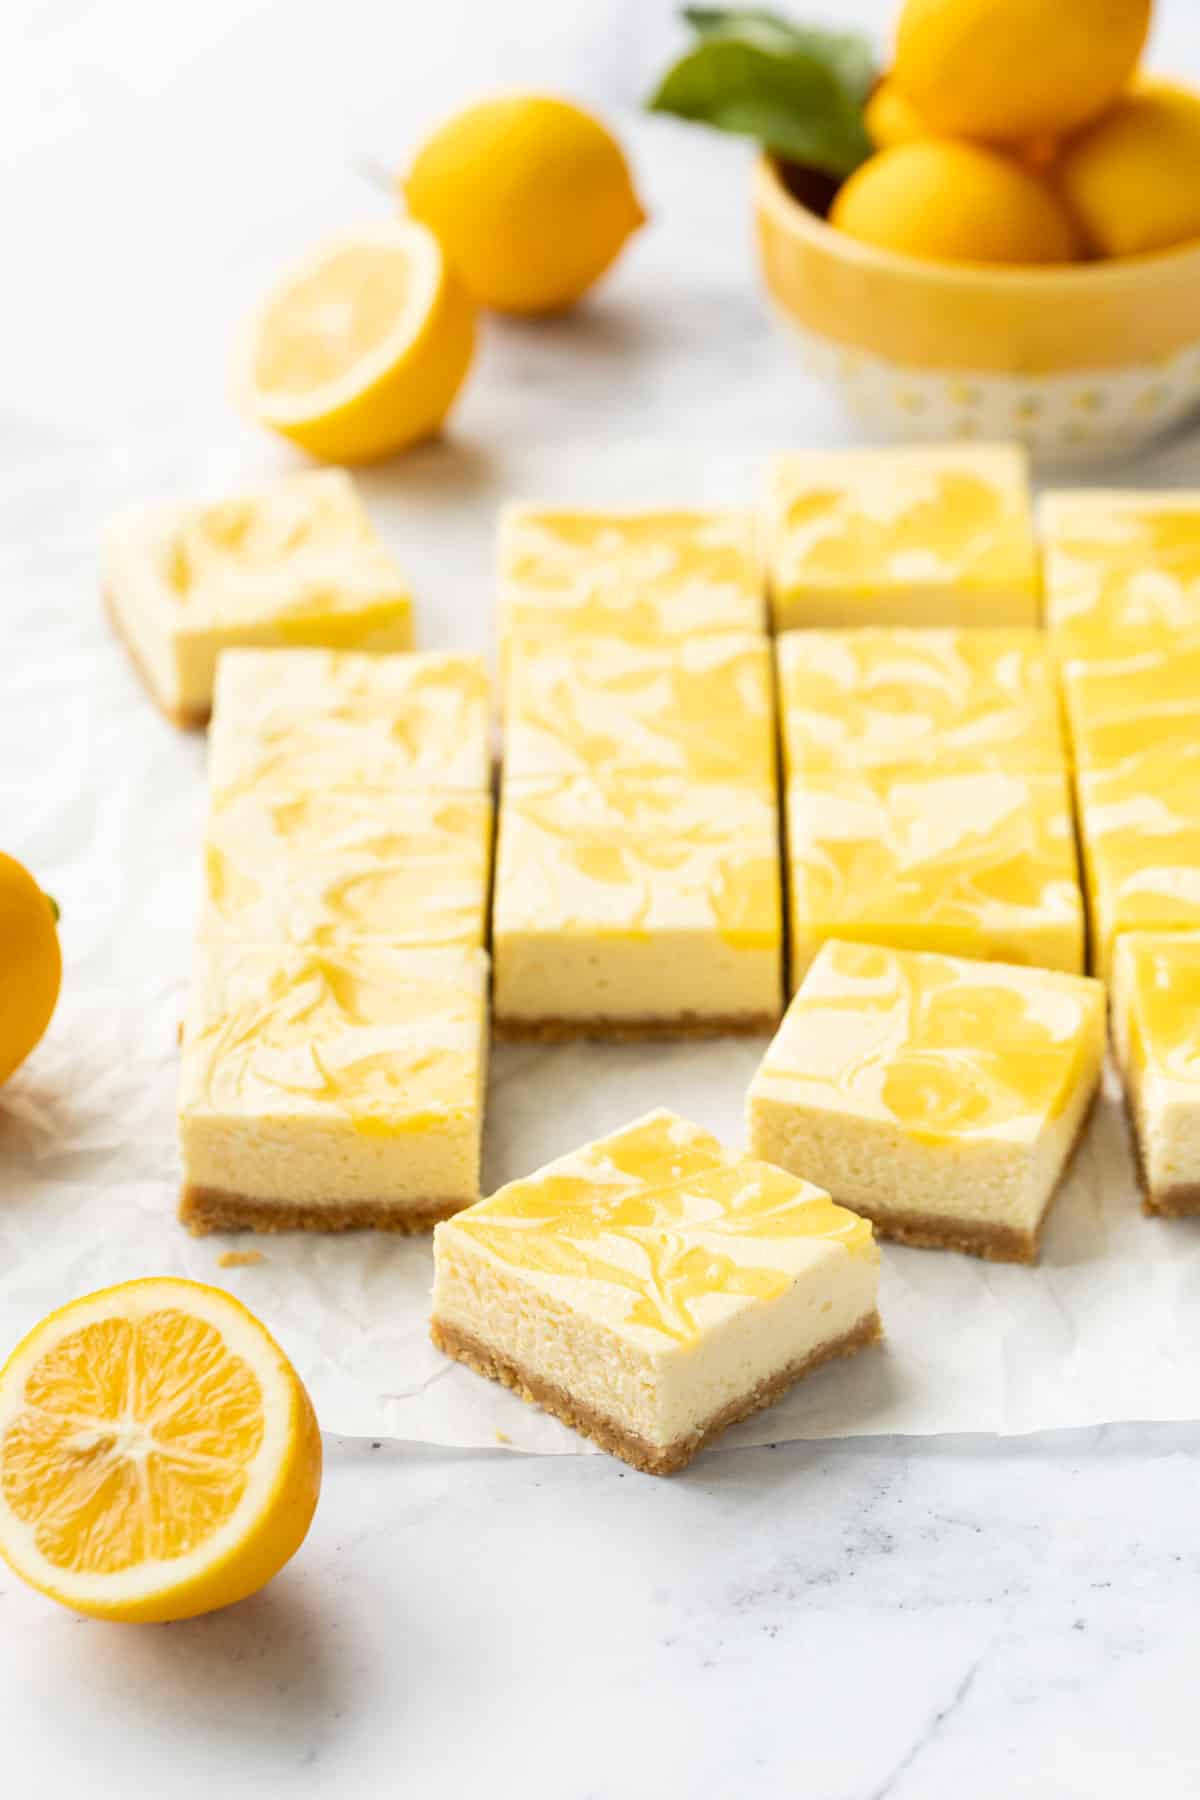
x: 637, y: 870
x: 938, y: 1096
x: 652, y: 1288
x: 918, y: 535
x: 290, y: 563
x: 326, y: 1089
x: 1156, y: 1031
x: 649, y: 574
x: 1119, y: 562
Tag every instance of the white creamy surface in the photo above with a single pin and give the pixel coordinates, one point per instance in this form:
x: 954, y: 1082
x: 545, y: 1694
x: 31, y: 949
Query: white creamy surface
x: 915, y: 1617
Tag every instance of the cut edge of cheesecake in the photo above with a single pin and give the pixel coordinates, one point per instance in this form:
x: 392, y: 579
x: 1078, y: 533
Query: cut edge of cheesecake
x: 637, y: 1451
x: 183, y: 718
x: 208, y: 1209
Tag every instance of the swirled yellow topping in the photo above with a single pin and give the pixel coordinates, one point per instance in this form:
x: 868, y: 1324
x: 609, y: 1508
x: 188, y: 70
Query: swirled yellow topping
x: 976, y: 862
x: 300, y: 549
x: 632, y: 858
x: 945, y: 1048
x: 1140, y: 825
x: 1119, y: 563
x: 866, y: 521
x: 388, y: 1040
x: 660, y: 1232
x: 343, y: 864
x: 644, y: 575
x: 701, y: 710
x: 875, y: 697
x: 1158, y: 996
x: 304, y: 719
x: 1134, y: 695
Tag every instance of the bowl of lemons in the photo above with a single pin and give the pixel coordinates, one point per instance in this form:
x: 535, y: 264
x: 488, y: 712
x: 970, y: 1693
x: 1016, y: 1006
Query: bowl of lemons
x: 998, y: 236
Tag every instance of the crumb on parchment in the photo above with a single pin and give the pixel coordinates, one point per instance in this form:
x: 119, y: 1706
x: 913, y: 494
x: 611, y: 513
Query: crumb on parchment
x: 502, y: 1437
x: 239, y: 1259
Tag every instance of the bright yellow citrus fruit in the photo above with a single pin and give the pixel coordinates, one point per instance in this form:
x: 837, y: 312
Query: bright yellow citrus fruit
x: 1016, y: 69
x: 1133, y: 178
x: 531, y: 198
x: 361, y: 350
x: 159, y: 1456
x: 956, y: 203
x: 30, y: 964
x: 890, y: 119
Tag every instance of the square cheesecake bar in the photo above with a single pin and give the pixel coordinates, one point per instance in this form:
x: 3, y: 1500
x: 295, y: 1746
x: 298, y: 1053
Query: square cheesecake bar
x: 653, y: 1287
x: 919, y: 535
x: 648, y: 575
x: 940, y: 1097
x: 290, y: 563
x: 1156, y: 1031
x: 331, y: 1088
x: 1117, y: 563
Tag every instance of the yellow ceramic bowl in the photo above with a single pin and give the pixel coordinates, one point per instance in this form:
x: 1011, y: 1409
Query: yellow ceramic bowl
x: 1079, y: 360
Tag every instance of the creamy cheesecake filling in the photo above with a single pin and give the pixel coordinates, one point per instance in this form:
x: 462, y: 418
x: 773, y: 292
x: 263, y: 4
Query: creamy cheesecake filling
x: 1156, y: 1033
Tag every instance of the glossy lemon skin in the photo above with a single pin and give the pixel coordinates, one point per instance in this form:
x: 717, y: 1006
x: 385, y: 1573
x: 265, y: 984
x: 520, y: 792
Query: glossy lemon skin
x: 30, y: 964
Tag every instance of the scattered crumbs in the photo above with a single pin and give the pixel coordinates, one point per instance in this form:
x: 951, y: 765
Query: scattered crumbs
x: 377, y: 1444
x: 502, y: 1437
x: 239, y: 1259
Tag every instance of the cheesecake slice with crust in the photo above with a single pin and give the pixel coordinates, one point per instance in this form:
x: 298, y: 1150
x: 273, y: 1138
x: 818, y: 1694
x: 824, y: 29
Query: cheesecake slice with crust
x: 1156, y: 1031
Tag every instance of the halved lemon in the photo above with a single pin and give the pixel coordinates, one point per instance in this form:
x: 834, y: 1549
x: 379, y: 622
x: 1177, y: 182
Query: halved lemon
x: 159, y: 1456
x: 361, y: 350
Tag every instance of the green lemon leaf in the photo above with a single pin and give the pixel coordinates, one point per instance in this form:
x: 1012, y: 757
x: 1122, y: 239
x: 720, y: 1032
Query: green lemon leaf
x: 848, y: 53
x: 794, y: 102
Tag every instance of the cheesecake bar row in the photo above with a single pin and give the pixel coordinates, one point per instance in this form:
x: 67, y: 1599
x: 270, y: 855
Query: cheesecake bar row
x: 335, y: 1044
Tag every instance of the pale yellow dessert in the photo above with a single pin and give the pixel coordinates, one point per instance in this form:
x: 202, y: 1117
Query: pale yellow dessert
x: 1119, y: 562
x: 1139, y: 824
x: 331, y: 1088
x: 1156, y: 1030
x: 306, y: 719
x: 1131, y: 692
x: 650, y: 575
x: 701, y: 710
x: 343, y: 865
x: 294, y: 562
x: 653, y: 1287
x: 636, y: 907
x: 921, y: 535
x: 938, y: 1096
x: 970, y: 862
x: 879, y: 697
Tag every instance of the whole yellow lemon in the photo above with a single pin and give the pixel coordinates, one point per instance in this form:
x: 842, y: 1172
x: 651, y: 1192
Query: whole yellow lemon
x: 30, y: 964
x: 1133, y: 178
x: 530, y: 197
x: 953, y: 202
x: 1013, y: 69
x: 891, y: 119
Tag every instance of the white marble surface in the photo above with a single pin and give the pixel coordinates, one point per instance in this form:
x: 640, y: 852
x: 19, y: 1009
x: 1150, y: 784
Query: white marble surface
x: 919, y: 1617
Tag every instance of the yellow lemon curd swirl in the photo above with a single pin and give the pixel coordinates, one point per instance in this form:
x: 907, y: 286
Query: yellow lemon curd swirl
x: 1162, y: 1023
x: 658, y: 1228
x: 1119, y: 562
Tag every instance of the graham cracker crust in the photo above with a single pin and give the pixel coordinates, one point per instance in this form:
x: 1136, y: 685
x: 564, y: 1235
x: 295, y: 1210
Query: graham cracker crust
x: 926, y: 1231
x: 633, y: 1031
x: 183, y: 718
x: 205, y: 1209
x: 651, y: 1459
x: 1179, y: 1202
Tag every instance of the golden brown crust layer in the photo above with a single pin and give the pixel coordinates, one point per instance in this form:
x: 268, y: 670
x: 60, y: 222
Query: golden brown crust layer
x: 1179, y: 1202
x: 183, y: 718
x: 204, y: 1209
x: 651, y: 1459
x: 632, y: 1031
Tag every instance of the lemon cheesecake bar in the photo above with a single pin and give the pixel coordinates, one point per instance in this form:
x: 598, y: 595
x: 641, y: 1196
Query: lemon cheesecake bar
x: 347, y: 864
x: 653, y: 1287
x: 920, y: 535
x: 304, y: 719
x: 938, y: 1096
x: 1117, y: 563
x: 1156, y: 1031
x: 647, y: 574
x: 329, y: 1088
x: 291, y: 563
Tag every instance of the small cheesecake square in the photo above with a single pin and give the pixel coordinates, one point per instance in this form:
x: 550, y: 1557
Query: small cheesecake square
x: 636, y: 908
x: 331, y: 1088
x: 879, y: 697
x: 1139, y: 823
x: 648, y: 575
x: 653, y: 1287
x: 938, y: 1096
x: 296, y: 562
x: 1117, y: 563
x: 1132, y: 695
x: 1156, y: 1030
x: 920, y: 535
x: 968, y: 862
x: 699, y: 711
x: 305, y: 719
x: 347, y: 865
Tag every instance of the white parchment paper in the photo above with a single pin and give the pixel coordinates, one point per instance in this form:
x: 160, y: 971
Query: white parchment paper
x: 105, y: 802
